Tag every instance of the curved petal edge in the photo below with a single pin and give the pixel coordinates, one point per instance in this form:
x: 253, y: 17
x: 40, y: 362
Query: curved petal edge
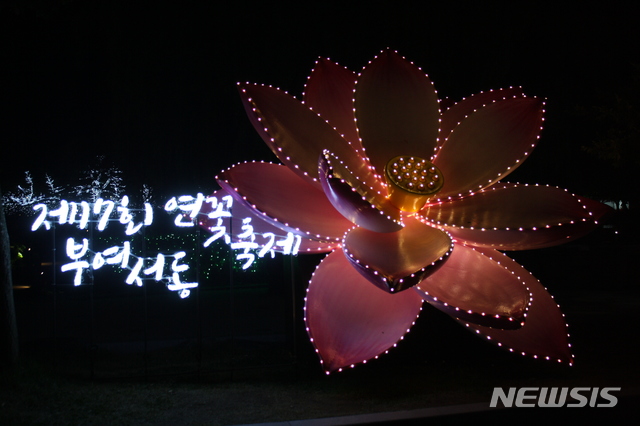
x: 351, y: 321
x: 472, y: 287
x: 282, y: 198
x: 396, y: 261
x: 353, y: 205
x: 544, y: 334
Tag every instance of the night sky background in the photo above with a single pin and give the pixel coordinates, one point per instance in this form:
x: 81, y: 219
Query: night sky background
x: 152, y: 85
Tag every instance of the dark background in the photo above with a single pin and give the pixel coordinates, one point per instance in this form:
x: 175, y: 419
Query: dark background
x: 151, y: 85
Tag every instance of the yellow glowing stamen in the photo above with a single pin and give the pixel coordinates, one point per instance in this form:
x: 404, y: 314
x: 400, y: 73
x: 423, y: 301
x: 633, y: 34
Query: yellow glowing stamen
x: 412, y: 181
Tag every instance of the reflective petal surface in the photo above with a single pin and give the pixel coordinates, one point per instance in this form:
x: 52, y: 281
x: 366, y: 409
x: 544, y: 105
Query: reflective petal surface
x: 396, y: 261
x: 474, y: 288
x: 262, y: 229
x: 397, y: 110
x: 284, y: 199
x: 457, y: 112
x: 544, y: 334
x: 488, y: 145
x: 516, y: 217
x: 351, y: 321
x: 353, y: 205
x: 371, y: 153
x: 329, y: 92
x: 294, y: 133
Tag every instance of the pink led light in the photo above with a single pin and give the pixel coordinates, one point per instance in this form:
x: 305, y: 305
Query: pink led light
x: 336, y: 144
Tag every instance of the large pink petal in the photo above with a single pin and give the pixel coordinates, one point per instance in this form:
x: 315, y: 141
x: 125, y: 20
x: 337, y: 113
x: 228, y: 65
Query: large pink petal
x: 457, y: 112
x: 516, y: 217
x: 213, y: 219
x: 488, y: 145
x: 296, y: 134
x: 350, y: 320
x: 285, y: 200
x: 544, y: 334
x: 329, y: 92
x: 474, y: 288
x: 395, y: 261
x: 397, y: 110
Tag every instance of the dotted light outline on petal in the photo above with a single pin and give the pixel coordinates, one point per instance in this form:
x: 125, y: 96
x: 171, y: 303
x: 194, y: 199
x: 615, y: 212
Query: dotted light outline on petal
x: 283, y: 225
x: 329, y: 156
x: 386, y: 280
x: 446, y: 226
x: 288, y: 159
x: 509, y: 169
x: 439, y: 144
x: 357, y: 149
x: 510, y: 349
x: 375, y: 172
x: 472, y: 313
x: 364, y: 361
x: 267, y: 131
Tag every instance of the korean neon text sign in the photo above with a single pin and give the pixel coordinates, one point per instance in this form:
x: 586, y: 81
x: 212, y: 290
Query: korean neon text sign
x: 186, y: 208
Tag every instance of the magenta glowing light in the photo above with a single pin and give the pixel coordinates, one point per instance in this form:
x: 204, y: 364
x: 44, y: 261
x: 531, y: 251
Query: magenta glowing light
x: 407, y: 199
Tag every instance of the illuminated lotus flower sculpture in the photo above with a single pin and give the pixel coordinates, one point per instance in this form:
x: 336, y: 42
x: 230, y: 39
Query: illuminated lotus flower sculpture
x: 408, y: 201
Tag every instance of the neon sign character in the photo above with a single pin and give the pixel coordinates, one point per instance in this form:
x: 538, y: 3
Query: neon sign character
x: 188, y: 204
x: 407, y: 198
x: 245, y: 230
x: 213, y: 212
x: 101, y: 212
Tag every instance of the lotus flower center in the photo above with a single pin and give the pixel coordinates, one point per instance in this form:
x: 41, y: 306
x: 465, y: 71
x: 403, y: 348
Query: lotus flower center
x: 415, y: 175
x: 412, y: 181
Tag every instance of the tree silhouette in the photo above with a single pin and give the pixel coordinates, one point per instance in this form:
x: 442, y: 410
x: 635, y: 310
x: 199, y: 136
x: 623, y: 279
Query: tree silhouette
x: 616, y: 142
x: 9, y: 351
